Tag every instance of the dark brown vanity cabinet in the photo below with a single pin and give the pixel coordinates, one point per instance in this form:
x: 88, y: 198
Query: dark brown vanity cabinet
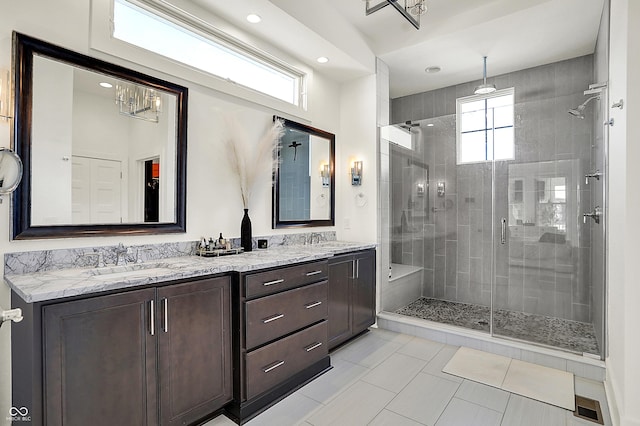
x: 282, y: 323
x: 157, y: 356
x: 352, y: 295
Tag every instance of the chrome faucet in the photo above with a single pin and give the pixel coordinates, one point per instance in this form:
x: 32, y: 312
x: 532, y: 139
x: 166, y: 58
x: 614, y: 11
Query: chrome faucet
x: 595, y: 215
x: 121, y: 258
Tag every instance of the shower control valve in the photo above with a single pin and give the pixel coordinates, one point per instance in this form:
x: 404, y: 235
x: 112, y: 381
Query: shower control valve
x: 595, y: 215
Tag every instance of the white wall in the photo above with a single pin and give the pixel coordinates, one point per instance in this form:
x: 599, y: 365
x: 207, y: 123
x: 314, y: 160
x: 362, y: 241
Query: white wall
x: 213, y: 204
x: 623, y: 374
x: 356, y: 211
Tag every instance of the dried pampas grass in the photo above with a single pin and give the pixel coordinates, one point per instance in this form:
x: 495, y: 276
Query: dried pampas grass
x: 249, y: 161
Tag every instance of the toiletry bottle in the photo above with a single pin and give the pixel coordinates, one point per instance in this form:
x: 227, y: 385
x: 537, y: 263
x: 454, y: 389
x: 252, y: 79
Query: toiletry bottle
x: 222, y: 241
x: 212, y: 244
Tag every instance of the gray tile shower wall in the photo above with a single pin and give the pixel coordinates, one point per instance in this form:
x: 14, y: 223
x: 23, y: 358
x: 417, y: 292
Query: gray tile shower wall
x: 451, y: 236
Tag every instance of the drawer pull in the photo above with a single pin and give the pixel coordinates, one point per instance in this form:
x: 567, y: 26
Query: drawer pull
x: 281, y: 280
x: 273, y: 318
x: 312, y: 305
x: 313, y: 273
x: 312, y: 347
x: 273, y: 367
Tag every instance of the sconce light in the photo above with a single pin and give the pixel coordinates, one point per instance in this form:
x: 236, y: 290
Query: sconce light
x: 138, y: 102
x: 4, y: 95
x: 325, y: 175
x: 356, y: 173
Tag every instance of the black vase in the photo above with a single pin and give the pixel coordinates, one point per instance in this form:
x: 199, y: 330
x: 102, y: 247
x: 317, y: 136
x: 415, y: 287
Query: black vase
x: 245, y: 232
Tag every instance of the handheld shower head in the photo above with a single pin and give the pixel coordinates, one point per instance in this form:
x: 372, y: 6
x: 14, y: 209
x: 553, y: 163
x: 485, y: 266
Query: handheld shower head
x: 579, y: 111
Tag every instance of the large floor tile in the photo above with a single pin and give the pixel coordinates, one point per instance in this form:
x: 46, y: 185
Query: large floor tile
x: 424, y: 398
x: 292, y: 410
x: 389, y: 418
x: 391, y: 335
x: 421, y: 348
x: 540, y: 383
x: 395, y: 372
x: 330, y: 384
x: 221, y: 420
x: 523, y: 411
x: 367, y: 351
x: 358, y: 405
x: 483, y: 395
x: 437, y: 363
x: 460, y: 413
x: 478, y: 366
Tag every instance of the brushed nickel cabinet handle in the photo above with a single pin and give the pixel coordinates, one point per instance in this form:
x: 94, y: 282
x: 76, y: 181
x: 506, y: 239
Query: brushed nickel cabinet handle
x: 152, y: 318
x: 313, y: 346
x: 281, y: 280
x: 273, y: 366
x: 313, y: 273
x: 312, y: 305
x: 165, y: 308
x: 273, y: 318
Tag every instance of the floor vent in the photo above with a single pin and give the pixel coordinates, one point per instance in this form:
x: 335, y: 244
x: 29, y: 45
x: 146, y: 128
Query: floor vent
x: 588, y: 409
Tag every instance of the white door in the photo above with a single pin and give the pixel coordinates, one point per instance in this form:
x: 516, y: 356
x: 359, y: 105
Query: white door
x: 96, y: 190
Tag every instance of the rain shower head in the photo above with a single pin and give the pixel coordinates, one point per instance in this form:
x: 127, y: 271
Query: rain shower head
x: 579, y: 111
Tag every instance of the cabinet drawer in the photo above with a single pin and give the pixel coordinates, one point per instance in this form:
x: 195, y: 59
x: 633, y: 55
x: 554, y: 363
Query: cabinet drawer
x: 264, y: 283
x: 270, y: 317
x: 274, y: 363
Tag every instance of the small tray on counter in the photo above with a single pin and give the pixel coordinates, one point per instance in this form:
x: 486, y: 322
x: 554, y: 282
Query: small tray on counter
x: 219, y: 252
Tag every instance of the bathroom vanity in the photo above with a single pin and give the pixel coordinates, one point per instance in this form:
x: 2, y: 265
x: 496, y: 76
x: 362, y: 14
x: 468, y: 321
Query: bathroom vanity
x: 177, y: 340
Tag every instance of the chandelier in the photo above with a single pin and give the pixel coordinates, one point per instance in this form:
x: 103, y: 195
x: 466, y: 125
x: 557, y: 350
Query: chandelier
x: 138, y: 102
x: 410, y: 9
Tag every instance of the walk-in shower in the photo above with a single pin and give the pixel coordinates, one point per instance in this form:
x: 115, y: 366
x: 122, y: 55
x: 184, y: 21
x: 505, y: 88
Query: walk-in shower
x: 489, y: 224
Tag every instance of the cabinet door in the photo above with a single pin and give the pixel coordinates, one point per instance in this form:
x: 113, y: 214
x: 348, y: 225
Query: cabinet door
x: 363, y: 295
x: 100, y: 361
x: 339, y: 319
x: 194, y: 344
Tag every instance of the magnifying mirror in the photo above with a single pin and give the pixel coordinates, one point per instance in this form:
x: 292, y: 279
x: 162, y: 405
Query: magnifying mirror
x: 10, y: 171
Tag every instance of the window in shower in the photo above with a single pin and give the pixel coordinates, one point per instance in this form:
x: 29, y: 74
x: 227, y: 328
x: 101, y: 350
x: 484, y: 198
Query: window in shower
x: 484, y: 125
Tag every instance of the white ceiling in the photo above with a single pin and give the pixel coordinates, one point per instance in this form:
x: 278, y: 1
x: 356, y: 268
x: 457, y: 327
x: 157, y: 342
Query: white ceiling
x: 454, y: 35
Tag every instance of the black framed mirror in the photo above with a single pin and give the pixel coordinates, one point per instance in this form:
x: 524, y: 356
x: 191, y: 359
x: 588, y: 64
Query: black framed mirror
x: 304, y: 183
x: 104, y: 148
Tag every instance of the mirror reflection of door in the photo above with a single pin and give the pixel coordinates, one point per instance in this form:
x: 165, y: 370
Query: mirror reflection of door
x: 96, y: 190
x: 152, y: 190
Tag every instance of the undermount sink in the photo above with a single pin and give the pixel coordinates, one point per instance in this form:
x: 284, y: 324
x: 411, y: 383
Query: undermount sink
x: 136, y: 270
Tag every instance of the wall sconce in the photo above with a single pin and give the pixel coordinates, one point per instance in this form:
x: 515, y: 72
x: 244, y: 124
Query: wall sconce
x: 138, y: 102
x: 356, y: 173
x: 325, y: 175
x: 4, y: 95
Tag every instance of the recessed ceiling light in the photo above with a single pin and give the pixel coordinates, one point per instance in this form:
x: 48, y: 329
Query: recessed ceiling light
x: 323, y: 59
x: 253, y: 18
x: 106, y: 85
x: 432, y: 70
x: 430, y: 125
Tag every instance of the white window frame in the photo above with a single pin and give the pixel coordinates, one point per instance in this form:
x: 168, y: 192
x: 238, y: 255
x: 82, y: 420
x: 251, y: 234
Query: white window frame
x: 474, y: 98
x: 102, y: 40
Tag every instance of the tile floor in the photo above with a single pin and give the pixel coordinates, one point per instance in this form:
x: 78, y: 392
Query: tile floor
x: 387, y: 378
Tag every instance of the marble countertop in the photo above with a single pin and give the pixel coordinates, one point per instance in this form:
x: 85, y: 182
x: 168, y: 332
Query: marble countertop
x: 50, y: 285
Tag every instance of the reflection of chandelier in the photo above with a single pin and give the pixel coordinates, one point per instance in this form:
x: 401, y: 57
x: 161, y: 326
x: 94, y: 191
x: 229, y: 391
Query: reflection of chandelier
x: 417, y: 7
x: 138, y: 102
x: 410, y: 9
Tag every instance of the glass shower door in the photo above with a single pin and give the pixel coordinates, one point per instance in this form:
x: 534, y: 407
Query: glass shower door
x: 542, y: 280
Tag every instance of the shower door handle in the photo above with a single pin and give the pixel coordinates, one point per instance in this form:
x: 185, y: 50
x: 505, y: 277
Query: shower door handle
x: 503, y: 231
